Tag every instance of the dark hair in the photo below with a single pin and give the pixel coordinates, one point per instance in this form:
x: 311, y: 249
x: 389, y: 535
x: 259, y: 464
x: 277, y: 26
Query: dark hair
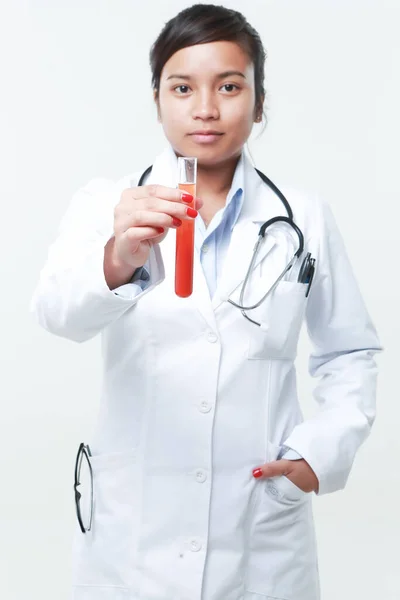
x: 202, y: 24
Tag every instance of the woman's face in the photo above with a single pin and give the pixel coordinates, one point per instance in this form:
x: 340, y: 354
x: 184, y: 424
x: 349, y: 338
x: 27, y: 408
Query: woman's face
x: 208, y: 88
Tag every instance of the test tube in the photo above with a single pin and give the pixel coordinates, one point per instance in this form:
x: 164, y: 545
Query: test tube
x: 187, y: 171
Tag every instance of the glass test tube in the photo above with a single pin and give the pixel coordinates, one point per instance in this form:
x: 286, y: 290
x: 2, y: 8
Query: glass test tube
x: 187, y: 171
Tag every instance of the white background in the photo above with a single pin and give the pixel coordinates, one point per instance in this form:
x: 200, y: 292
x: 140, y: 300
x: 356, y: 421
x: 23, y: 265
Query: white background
x: 75, y: 104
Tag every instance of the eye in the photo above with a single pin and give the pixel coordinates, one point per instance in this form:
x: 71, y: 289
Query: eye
x: 230, y: 87
x: 181, y: 89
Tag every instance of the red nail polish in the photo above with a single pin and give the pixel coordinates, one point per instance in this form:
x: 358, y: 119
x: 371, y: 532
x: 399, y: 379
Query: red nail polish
x: 160, y: 229
x: 188, y: 198
x: 176, y: 222
x: 257, y: 472
x: 191, y: 212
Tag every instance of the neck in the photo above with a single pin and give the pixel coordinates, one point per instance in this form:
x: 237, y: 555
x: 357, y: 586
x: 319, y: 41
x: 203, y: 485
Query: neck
x: 216, y: 180
x: 213, y: 185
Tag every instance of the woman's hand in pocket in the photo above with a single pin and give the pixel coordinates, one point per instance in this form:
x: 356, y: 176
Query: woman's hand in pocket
x: 297, y: 471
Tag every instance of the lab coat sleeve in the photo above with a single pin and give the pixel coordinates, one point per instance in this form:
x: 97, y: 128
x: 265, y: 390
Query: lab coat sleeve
x: 291, y: 455
x: 344, y: 343
x: 72, y: 298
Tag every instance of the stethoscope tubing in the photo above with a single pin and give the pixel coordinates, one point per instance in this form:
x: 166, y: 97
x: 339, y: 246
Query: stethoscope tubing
x: 289, y: 220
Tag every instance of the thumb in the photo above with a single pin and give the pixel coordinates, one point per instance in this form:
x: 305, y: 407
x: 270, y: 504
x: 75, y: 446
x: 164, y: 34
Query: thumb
x: 273, y: 469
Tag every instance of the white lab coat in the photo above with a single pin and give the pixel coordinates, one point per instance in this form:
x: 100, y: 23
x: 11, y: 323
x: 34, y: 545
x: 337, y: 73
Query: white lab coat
x: 195, y: 396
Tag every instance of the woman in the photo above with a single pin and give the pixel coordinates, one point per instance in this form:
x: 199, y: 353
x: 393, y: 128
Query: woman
x: 203, y: 466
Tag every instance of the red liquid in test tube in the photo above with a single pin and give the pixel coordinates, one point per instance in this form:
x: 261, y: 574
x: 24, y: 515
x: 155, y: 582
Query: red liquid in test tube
x: 187, y: 168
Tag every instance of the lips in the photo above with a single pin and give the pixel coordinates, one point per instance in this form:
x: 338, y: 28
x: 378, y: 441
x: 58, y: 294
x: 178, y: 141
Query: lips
x: 203, y: 136
x: 206, y: 132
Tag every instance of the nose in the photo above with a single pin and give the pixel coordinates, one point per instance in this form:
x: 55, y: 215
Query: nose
x: 205, y: 107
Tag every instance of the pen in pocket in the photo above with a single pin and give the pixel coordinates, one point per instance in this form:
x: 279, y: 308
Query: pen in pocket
x: 304, y: 269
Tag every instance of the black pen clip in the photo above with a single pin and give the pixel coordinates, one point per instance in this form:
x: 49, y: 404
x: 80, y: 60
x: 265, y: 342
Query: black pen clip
x: 304, y: 269
x: 310, y: 276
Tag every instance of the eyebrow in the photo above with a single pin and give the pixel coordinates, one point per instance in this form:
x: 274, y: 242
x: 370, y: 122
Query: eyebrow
x: 219, y: 76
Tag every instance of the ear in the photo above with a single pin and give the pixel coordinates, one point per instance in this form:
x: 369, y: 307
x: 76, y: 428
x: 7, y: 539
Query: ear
x: 258, y: 112
x: 155, y: 98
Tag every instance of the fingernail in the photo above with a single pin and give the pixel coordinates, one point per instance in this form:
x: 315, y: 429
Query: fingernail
x: 176, y: 222
x: 188, y: 198
x: 257, y: 472
x: 191, y: 212
x: 160, y: 229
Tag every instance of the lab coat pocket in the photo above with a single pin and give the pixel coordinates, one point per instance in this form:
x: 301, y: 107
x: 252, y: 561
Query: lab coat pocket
x: 284, y: 490
x: 281, y: 317
x: 282, y: 559
x: 103, y: 556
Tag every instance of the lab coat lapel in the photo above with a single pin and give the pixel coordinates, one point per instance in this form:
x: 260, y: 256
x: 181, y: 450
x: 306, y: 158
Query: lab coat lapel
x: 260, y: 204
x: 201, y: 294
x: 243, y: 240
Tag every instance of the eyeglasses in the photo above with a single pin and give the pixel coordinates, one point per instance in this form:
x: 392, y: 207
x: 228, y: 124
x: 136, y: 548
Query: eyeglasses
x: 84, y: 497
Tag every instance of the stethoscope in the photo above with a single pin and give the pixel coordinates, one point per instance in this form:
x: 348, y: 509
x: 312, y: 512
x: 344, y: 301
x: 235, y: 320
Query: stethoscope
x: 261, y: 235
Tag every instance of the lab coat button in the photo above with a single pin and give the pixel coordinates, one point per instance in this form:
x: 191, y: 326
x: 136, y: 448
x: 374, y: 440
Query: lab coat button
x: 205, y: 248
x: 212, y: 337
x: 205, y: 407
x: 201, y: 476
x: 195, y: 545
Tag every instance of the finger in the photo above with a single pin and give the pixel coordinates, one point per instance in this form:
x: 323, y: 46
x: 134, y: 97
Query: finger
x: 135, y: 235
x: 173, y: 209
x: 158, y: 232
x: 160, y: 191
x: 143, y: 218
x: 154, y: 218
x: 273, y: 469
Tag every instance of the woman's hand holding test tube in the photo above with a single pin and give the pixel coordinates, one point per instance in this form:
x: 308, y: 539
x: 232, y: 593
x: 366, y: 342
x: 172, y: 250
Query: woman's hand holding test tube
x: 143, y: 217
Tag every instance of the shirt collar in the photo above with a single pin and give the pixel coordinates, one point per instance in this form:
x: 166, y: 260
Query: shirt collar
x: 235, y: 196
